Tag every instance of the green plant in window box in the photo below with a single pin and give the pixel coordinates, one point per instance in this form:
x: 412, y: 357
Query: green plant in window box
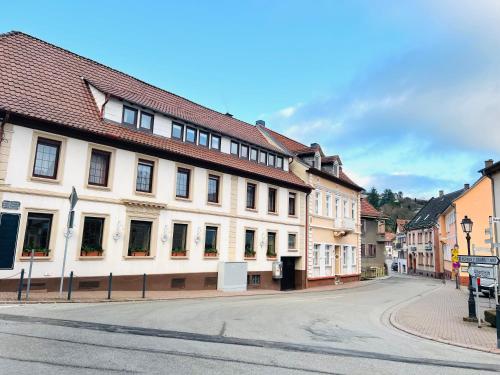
x: 91, y: 251
x: 38, y: 251
x: 139, y: 253
x: 271, y: 254
x: 210, y: 252
x: 249, y: 254
x: 178, y: 252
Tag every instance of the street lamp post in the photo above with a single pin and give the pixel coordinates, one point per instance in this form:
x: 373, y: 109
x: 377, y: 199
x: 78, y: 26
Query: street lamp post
x: 467, y: 228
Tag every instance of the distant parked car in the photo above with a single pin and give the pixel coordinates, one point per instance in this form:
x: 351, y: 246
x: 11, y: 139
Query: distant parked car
x: 394, y: 266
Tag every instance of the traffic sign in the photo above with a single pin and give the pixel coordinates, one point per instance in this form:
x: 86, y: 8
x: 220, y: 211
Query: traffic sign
x: 482, y: 272
x: 495, y: 219
x: 73, y: 198
x: 478, y: 259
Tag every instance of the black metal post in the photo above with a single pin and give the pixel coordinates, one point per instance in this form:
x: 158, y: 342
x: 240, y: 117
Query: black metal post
x: 144, y: 286
x: 472, y: 302
x: 110, y: 280
x: 20, y: 287
x: 70, y: 285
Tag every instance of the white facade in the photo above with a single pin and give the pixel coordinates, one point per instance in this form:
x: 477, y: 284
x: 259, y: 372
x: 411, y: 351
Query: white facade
x: 119, y: 203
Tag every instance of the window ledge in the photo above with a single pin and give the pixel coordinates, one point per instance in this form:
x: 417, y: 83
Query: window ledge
x: 274, y: 213
x: 183, y: 199
x: 179, y: 257
x: 251, y: 209
x: 293, y: 250
x: 36, y: 258
x: 216, y: 257
x: 92, y: 257
x: 250, y: 258
x: 214, y: 204
x: 145, y: 194
x: 97, y: 187
x: 129, y: 257
x: 46, y: 180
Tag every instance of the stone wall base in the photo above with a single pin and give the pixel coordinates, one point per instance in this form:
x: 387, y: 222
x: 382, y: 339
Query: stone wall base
x: 154, y: 282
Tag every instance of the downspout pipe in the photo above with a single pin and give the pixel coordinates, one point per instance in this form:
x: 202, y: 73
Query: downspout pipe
x: 4, y: 117
x: 106, y: 100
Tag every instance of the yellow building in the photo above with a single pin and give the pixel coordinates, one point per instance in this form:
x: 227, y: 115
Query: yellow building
x: 475, y: 202
x: 333, y: 231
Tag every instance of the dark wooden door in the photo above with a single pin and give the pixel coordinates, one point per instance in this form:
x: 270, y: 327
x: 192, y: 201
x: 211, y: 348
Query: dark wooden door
x: 288, y: 280
x: 9, y: 225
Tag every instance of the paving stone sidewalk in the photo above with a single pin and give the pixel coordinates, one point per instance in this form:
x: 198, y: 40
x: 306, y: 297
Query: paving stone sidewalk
x: 123, y: 296
x: 439, y: 316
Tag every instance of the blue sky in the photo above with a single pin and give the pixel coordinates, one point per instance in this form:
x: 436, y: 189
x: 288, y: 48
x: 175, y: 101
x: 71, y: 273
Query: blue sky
x: 408, y: 93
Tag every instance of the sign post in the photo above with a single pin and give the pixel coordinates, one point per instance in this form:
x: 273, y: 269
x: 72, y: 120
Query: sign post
x: 73, y: 199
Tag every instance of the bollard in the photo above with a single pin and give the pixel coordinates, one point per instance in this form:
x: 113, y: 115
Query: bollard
x: 497, y: 320
x: 110, y: 280
x: 70, y: 285
x: 144, y: 286
x: 20, y: 287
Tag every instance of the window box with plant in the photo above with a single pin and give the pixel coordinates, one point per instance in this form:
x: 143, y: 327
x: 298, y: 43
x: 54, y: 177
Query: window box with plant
x: 38, y: 252
x: 91, y: 251
x: 210, y: 252
x: 178, y: 252
x: 139, y: 253
x: 249, y: 244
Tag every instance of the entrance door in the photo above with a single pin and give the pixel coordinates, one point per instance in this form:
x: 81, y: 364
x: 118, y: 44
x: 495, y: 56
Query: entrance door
x: 9, y: 224
x: 288, y: 280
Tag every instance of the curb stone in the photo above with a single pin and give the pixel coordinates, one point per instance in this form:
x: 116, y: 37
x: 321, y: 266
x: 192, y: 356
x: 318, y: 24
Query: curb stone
x: 126, y: 300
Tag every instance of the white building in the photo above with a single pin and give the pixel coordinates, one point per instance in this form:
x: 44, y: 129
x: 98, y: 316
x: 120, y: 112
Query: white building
x: 166, y: 187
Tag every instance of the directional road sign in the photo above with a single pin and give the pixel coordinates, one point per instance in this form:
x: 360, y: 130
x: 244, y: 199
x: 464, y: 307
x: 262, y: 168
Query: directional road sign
x: 482, y: 272
x: 478, y: 259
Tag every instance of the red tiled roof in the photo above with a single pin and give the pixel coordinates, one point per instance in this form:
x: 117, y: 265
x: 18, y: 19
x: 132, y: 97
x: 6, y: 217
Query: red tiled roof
x: 368, y: 210
x: 298, y: 148
x: 331, y: 159
x: 288, y: 143
x: 41, y: 81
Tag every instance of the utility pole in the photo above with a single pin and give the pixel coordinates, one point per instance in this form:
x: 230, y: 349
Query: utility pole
x: 73, y: 198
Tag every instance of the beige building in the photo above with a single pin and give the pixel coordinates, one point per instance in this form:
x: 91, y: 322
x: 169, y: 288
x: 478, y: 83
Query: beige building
x: 334, y: 230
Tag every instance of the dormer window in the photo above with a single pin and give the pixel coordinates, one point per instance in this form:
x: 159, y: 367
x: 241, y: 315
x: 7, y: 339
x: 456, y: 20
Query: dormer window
x: 177, y: 130
x: 215, y: 144
x: 190, y: 135
x: 317, y: 162
x: 271, y: 160
x: 129, y: 116
x: 263, y: 157
x: 336, y: 169
x: 253, y: 154
x: 244, y: 152
x: 203, y: 138
x: 235, y: 148
x: 146, y: 123
x: 279, y: 162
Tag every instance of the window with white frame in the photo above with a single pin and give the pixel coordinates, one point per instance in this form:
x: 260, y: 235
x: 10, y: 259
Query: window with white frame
x: 317, y: 202
x: 353, y: 210
x: 337, y: 207
x: 353, y: 256
x: 328, y: 205
x: 316, y: 255
x: 344, y: 255
x: 345, y: 207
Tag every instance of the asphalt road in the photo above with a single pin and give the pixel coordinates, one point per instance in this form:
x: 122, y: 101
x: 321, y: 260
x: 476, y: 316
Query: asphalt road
x: 340, y: 332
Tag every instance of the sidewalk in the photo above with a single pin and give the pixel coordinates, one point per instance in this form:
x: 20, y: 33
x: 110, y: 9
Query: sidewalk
x: 128, y: 296
x: 439, y: 316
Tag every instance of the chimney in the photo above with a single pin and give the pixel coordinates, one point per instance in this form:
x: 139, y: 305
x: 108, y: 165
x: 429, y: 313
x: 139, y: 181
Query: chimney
x: 466, y: 186
x: 488, y: 163
x: 228, y: 114
x: 314, y: 145
x: 260, y: 123
x: 441, y: 193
